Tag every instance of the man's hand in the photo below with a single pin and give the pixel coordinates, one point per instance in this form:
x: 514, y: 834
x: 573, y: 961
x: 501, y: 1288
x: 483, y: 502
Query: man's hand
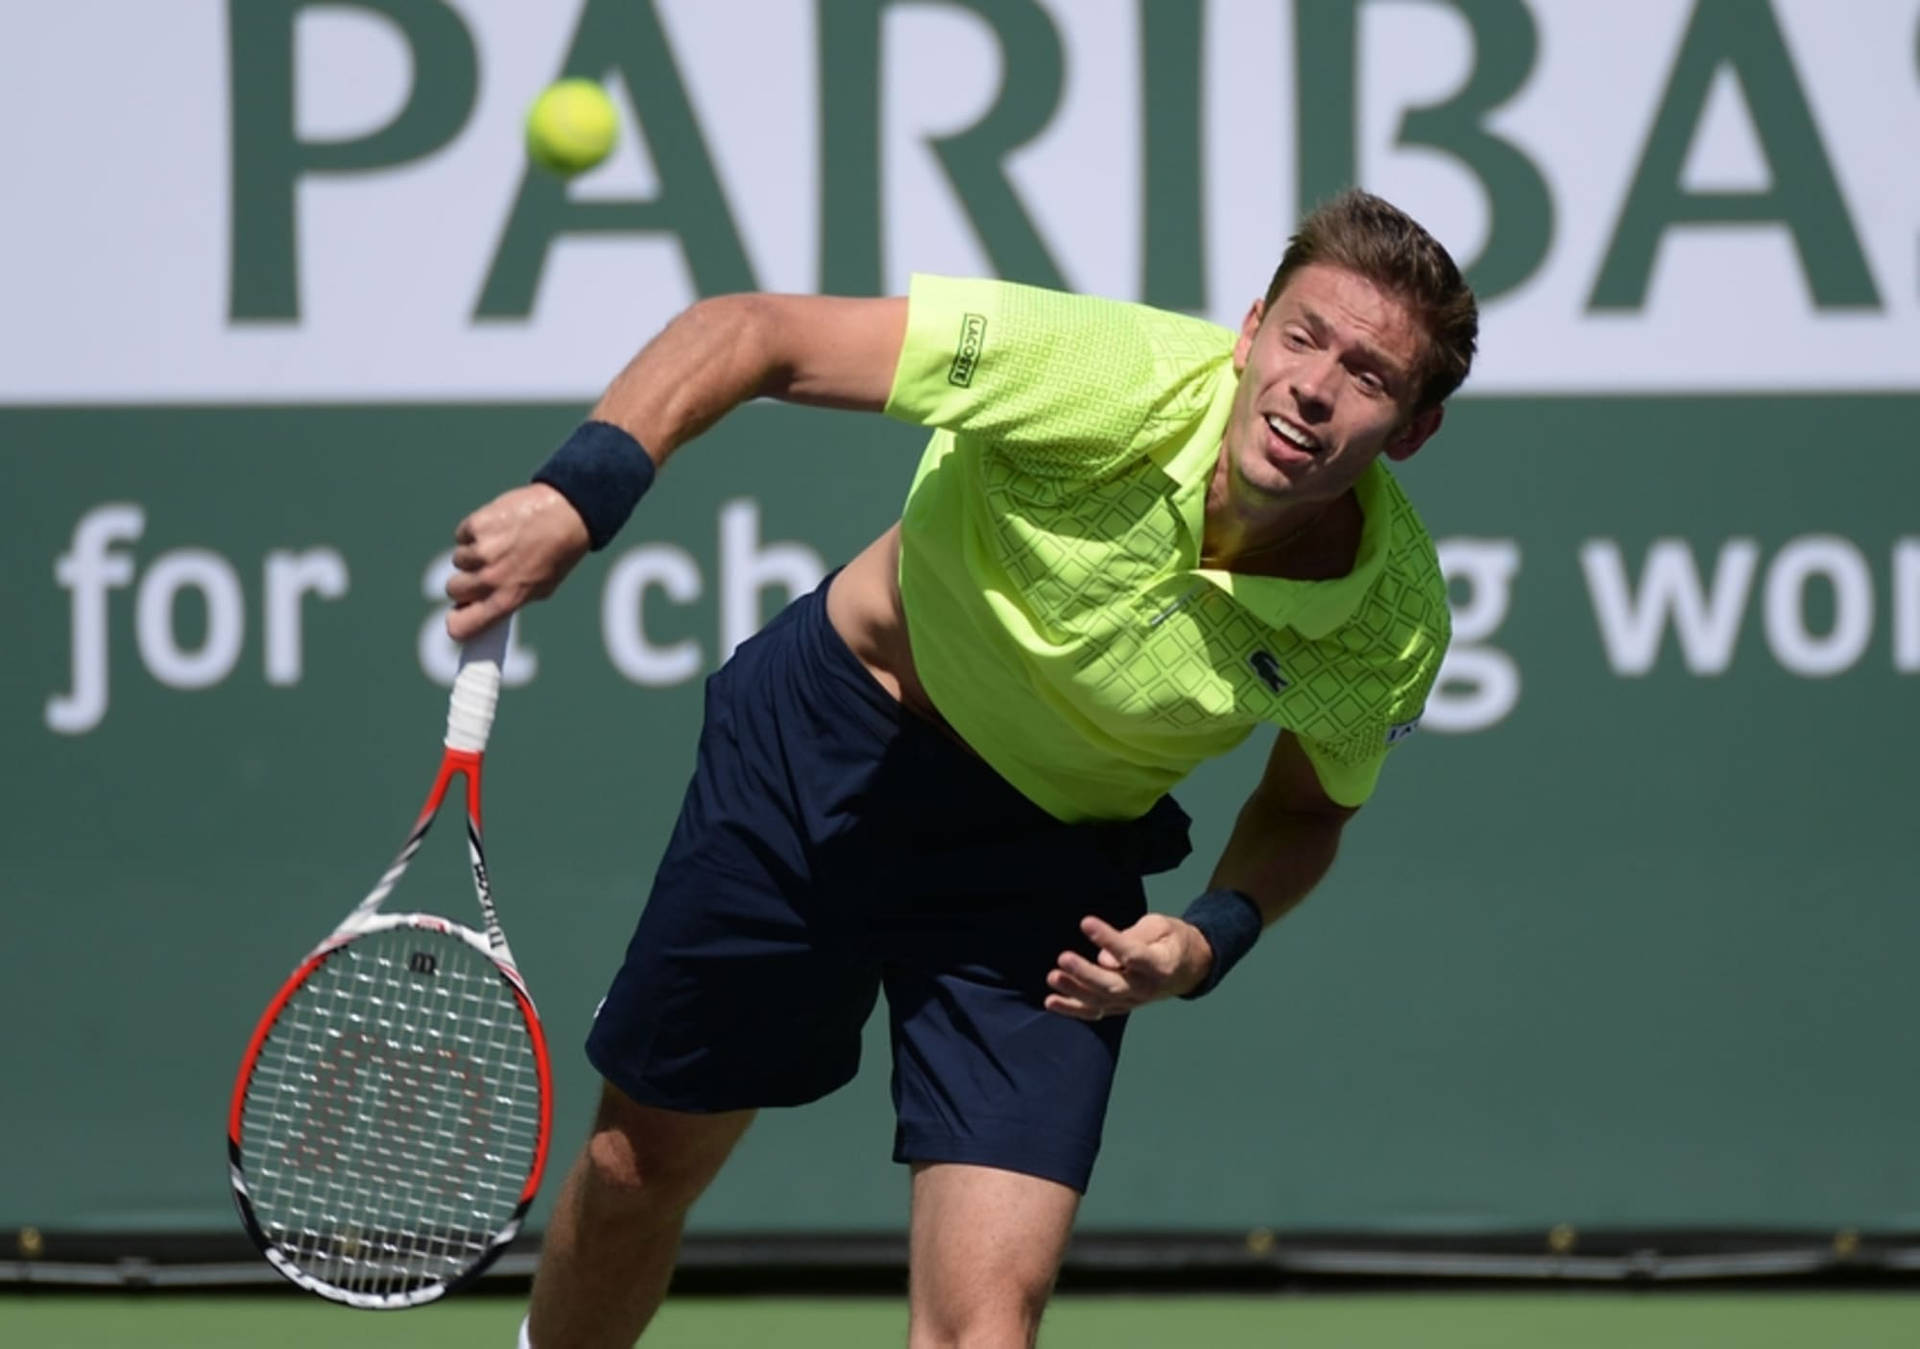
x: 517, y: 547
x: 1158, y: 957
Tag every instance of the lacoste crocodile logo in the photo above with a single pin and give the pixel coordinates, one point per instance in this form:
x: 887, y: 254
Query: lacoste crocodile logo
x: 1267, y: 666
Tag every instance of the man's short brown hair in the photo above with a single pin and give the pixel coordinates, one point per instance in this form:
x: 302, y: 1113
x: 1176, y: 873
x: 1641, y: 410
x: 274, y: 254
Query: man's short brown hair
x: 1376, y: 240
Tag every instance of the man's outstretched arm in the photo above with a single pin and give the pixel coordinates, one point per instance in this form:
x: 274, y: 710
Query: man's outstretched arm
x: 1282, y: 844
x: 820, y: 350
x: 1286, y: 835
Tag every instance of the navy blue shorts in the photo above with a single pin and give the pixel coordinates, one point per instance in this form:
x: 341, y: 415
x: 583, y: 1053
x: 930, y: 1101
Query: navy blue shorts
x: 833, y: 844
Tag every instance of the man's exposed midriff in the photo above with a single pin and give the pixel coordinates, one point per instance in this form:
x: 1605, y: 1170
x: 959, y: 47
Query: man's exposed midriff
x: 864, y: 607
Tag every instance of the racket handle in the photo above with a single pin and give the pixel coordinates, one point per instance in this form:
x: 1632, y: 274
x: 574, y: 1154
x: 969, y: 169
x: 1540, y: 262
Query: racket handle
x: 476, y: 688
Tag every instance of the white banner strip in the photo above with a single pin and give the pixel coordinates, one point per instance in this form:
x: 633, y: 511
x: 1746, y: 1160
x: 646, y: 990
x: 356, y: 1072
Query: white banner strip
x: 1670, y: 195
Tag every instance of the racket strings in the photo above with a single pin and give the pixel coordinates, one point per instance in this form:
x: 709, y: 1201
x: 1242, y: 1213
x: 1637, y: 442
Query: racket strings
x: 394, y: 1114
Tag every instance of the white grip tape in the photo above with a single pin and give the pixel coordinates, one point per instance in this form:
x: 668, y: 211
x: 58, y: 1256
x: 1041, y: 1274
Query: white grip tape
x: 476, y: 688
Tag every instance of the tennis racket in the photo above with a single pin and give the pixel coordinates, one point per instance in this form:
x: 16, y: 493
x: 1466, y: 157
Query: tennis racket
x: 389, y: 1125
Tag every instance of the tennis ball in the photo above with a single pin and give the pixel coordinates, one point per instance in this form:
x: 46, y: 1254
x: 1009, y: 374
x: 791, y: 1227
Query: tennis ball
x: 571, y: 127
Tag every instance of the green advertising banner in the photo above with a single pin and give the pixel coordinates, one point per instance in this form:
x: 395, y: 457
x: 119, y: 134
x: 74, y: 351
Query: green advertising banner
x: 1627, y: 944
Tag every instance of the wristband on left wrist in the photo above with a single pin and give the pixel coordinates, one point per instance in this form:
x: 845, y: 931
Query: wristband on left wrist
x: 1231, y: 922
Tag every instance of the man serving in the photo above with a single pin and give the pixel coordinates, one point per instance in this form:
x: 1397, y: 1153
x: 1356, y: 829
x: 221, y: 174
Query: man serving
x: 1133, y: 538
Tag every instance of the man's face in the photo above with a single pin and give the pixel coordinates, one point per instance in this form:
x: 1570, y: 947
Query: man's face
x: 1328, y: 380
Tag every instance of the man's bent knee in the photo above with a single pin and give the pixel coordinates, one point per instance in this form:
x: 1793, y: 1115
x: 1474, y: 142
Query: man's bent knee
x: 1006, y: 1318
x: 643, y: 1159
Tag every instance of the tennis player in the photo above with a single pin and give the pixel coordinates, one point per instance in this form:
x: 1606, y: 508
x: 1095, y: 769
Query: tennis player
x: 1134, y: 537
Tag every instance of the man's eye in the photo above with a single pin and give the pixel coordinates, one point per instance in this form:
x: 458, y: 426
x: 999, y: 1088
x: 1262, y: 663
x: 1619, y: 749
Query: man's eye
x: 1297, y: 339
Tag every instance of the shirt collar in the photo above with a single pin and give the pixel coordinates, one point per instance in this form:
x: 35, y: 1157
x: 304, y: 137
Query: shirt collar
x: 1311, y: 608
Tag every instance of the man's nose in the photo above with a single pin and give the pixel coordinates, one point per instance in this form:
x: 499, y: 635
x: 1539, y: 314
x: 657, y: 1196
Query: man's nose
x: 1312, y: 387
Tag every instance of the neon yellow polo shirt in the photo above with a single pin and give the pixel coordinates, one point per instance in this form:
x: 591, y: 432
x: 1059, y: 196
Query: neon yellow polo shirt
x: 1049, y: 562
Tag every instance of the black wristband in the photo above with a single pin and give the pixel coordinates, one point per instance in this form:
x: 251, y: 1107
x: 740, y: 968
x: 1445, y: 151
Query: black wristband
x: 602, y: 472
x: 1231, y: 923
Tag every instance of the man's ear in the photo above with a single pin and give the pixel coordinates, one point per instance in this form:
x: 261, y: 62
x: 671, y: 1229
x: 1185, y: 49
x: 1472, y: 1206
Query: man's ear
x: 1416, y: 433
x: 1248, y: 327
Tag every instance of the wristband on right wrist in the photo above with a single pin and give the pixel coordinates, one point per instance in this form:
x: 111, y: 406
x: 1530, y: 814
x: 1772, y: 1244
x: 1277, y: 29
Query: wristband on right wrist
x: 1231, y: 922
x: 602, y: 472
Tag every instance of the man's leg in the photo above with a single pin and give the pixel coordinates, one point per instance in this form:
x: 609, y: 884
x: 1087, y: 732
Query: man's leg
x: 986, y: 1245
x: 610, y: 1248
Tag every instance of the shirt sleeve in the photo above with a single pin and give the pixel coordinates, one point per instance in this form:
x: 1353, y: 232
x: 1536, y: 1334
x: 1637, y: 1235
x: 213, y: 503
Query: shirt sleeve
x: 1061, y: 384
x: 1348, y: 765
x: 1348, y: 778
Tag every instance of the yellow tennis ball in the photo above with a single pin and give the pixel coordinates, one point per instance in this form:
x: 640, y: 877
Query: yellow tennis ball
x: 571, y: 127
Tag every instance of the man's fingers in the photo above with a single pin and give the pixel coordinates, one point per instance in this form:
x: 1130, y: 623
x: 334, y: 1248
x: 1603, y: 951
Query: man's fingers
x: 1073, y: 1007
x: 1123, y: 947
x: 463, y: 532
x: 1129, y: 970
x: 1085, y: 972
x: 463, y: 623
x: 1064, y: 983
x: 1071, y: 997
x: 469, y: 616
x: 468, y: 557
x: 465, y: 588
x: 466, y: 621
